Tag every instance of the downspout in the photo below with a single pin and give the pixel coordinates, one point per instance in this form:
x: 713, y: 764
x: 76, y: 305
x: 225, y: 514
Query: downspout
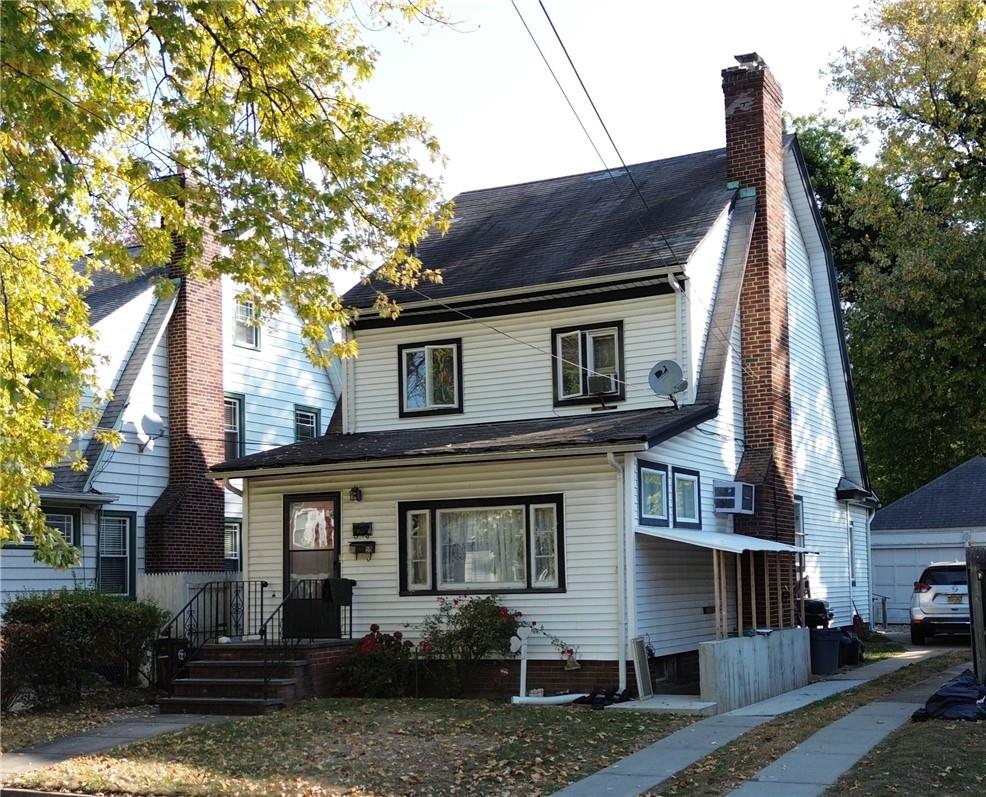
x: 621, y: 614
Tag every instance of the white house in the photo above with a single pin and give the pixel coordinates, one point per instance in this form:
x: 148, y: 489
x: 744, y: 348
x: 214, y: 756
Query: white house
x: 501, y: 435
x: 934, y: 523
x: 255, y: 390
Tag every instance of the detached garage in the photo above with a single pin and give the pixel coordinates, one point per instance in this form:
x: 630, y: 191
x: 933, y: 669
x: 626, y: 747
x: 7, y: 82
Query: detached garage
x: 932, y: 524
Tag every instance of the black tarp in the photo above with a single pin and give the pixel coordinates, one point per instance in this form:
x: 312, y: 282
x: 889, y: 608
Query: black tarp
x: 962, y: 698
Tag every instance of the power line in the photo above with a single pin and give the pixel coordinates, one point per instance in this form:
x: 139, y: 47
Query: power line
x: 601, y: 122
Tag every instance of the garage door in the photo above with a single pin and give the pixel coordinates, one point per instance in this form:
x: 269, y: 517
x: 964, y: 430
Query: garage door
x: 896, y: 569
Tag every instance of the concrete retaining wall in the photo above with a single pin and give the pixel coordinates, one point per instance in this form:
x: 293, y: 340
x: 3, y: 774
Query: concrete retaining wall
x: 737, y: 672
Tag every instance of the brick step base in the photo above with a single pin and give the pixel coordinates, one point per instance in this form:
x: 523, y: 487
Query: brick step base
x: 294, y: 668
x: 219, y: 705
x: 284, y: 689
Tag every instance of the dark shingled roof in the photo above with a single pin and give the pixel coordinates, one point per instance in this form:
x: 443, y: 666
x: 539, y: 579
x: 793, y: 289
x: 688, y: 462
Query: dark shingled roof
x: 649, y: 426
x: 570, y: 228
x: 956, y: 499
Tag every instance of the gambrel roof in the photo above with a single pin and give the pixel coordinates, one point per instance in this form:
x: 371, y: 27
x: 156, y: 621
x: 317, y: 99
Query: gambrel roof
x: 518, y: 236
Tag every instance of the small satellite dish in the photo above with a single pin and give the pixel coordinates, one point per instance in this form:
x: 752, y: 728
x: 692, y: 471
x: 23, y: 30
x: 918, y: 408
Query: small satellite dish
x: 149, y: 428
x: 665, y: 378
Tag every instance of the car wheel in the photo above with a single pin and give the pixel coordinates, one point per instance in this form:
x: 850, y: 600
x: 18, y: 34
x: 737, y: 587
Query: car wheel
x: 917, y: 635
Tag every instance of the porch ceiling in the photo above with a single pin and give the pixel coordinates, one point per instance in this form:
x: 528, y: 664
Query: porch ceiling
x: 732, y: 543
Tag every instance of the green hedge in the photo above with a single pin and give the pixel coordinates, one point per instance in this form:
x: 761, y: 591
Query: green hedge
x: 50, y: 643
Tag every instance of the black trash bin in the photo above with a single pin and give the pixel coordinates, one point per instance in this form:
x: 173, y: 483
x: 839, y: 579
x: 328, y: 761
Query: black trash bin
x: 825, y: 644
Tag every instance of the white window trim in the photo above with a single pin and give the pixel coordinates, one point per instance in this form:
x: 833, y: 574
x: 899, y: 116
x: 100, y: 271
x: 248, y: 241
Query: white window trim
x: 590, y: 354
x: 238, y: 525
x: 562, y: 362
x: 429, y: 396
x: 474, y: 585
x: 799, y: 528
x: 667, y: 501
x: 314, y: 424
x: 241, y: 323
x: 553, y: 583
x: 70, y: 539
x: 410, y: 560
x: 678, y: 517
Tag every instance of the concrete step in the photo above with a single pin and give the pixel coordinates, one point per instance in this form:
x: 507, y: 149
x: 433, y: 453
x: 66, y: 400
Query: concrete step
x: 284, y: 689
x: 219, y: 705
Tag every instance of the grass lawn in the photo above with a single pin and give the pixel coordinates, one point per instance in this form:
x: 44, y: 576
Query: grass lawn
x: 879, y: 647
x: 737, y: 762
x: 922, y: 758
x: 28, y: 728
x: 382, y: 748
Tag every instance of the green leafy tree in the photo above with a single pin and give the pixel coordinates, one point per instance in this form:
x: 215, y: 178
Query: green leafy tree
x: 916, y: 326
x: 254, y: 100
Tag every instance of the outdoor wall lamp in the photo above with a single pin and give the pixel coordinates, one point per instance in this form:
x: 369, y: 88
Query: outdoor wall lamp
x: 355, y: 494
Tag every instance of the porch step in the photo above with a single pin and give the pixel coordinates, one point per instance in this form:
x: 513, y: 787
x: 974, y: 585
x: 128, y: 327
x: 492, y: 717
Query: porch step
x: 219, y: 705
x: 246, y: 668
x: 283, y: 689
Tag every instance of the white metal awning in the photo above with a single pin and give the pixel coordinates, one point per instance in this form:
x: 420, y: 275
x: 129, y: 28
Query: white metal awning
x: 717, y: 540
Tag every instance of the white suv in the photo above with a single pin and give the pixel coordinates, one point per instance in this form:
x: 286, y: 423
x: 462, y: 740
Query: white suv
x: 940, y: 603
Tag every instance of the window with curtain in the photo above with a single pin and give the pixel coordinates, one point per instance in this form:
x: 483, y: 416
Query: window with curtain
x: 115, y: 552
x: 473, y: 546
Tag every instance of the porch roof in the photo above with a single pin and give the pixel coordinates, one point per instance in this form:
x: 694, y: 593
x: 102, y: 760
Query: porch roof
x: 717, y: 540
x: 626, y: 430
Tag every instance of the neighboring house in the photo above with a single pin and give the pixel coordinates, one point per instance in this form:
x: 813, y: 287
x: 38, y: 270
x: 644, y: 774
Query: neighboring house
x: 501, y: 436
x: 193, y: 383
x: 935, y: 523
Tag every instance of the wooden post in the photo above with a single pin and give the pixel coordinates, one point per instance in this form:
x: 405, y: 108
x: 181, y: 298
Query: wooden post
x: 739, y: 594
x: 753, y: 591
x: 766, y: 592
x: 780, y: 593
x: 975, y: 561
x: 723, y: 585
x: 793, y: 586
x: 715, y: 586
x: 801, y: 586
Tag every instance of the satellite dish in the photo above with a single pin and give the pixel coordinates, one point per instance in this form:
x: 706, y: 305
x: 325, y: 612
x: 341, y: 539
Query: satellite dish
x: 665, y: 378
x: 149, y: 428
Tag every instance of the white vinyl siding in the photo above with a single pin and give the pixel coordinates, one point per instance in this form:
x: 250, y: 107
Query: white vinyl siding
x: 818, y: 457
x: 508, y: 378
x: 584, y: 615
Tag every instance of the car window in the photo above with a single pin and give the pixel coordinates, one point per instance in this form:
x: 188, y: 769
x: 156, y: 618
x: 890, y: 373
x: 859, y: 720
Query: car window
x: 945, y: 576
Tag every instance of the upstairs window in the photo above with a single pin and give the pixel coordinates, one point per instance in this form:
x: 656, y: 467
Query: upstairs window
x: 430, y: 377
x: 588, y: 363
x: 306, y: 423
x: 687, y: 499
x: 233, y: 426
x: 653, y: 481
x: 246, y: 331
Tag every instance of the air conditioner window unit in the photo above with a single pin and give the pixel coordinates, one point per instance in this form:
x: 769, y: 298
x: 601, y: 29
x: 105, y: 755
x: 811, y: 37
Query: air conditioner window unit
x: 603, y: 384
x: 733, y: 498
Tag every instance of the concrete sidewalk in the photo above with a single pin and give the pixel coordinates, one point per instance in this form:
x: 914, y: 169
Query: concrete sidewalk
x: 820, y: 760
x: 122, y: 731
x: 646, y: 768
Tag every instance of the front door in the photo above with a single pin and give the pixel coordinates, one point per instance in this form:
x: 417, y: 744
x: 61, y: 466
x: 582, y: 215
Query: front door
x: 311, y: 557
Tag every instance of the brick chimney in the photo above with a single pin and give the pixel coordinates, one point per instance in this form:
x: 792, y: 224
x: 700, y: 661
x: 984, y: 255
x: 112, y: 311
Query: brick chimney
x: 184, y: 527
x: 755, y: 159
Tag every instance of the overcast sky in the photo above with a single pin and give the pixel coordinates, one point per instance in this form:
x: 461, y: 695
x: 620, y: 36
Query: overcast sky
x: 653, y: 69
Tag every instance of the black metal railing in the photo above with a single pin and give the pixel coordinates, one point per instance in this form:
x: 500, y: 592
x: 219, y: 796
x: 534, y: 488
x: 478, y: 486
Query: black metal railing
x: 312, y: 609
x: 230, y: 609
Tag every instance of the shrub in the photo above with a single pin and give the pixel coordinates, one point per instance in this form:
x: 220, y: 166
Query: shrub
x: 381, y: 666
x: 53, y: 641
x: 463, y: 632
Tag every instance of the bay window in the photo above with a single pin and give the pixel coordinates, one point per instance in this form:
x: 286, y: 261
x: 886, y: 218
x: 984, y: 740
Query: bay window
x: 481, y: 545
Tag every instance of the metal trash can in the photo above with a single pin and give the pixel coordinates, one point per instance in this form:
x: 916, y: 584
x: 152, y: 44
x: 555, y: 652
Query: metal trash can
x: 825, y: 644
